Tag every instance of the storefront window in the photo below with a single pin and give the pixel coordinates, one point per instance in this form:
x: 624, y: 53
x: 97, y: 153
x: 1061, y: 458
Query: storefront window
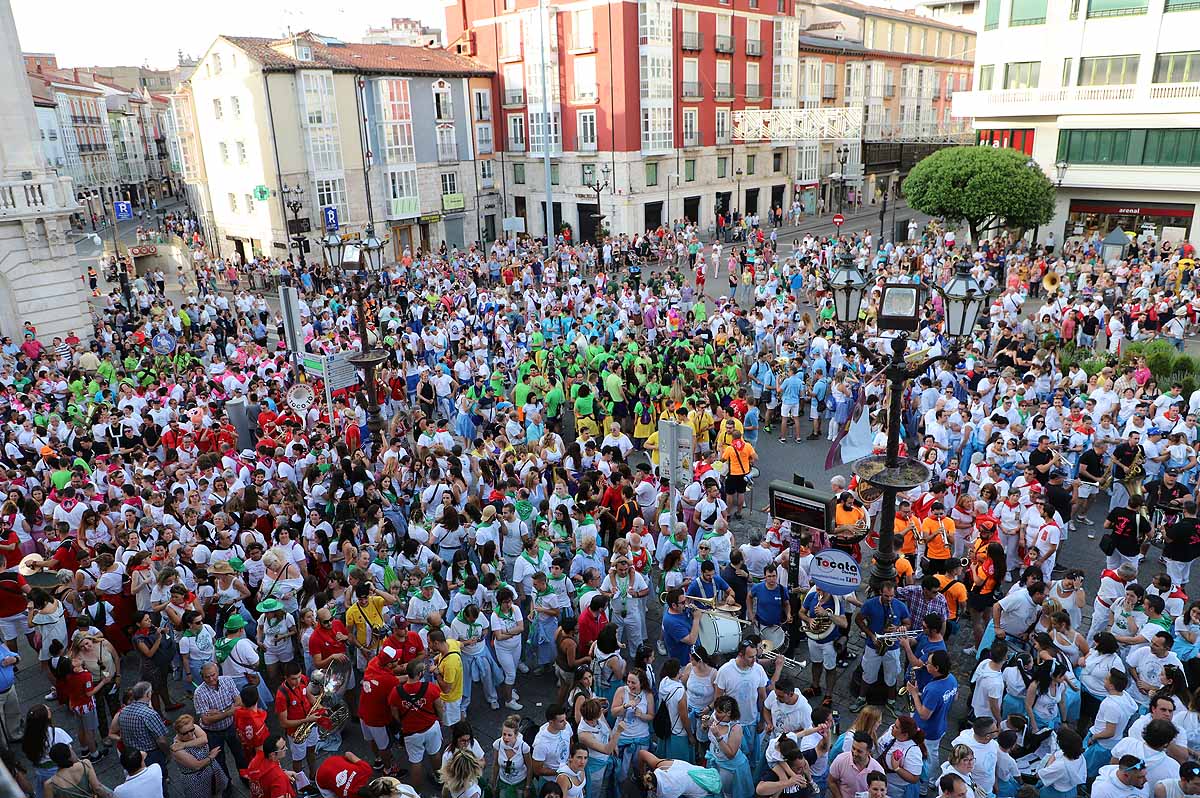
x: 1171, y: 222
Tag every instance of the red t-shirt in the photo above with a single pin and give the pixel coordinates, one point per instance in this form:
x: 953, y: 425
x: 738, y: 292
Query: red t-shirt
x: 251, y: 728
x: 408, y: 648
x: 324, y: 643
x: 416, y: 714
x: 378, y: 683
x: 590, y: 627
x: 12, y: 595
x: 77, y: 685
x: 267, y: 779
x: 295, y: 701
x: 342, y: 777
x: 66, y: 555
x: 12, y: 558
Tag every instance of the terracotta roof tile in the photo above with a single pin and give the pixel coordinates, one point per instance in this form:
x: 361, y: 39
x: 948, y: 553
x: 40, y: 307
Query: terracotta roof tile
x: 379, y: 58
x: 908, y: 16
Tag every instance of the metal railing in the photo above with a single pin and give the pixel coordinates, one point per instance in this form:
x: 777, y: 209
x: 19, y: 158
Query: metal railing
x: 514, y: 96
x: 692, y: 40
x: 724, y: 91
x: 585, y: 144
x: 753, y: 90
x: 753, y: 47
x: 829, y: 91
x: 723, y: 44
x: 515, y: 146
x: 692, y: 88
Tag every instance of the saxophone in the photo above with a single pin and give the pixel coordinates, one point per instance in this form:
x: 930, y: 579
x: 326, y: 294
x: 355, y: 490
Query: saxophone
x: 1135, y: 473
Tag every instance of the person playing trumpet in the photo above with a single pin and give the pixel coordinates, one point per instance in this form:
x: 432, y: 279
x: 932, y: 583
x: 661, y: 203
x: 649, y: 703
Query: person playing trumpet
x: 821, y: 609
x: 851, y: 525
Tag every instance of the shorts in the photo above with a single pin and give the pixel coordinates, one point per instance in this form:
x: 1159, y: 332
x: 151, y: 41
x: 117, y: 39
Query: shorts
x: 889, y: 663
x: 735, y: 484
x: 790, y: 411
x: 87, y: 716
x: 1086, y: 491
x: 423, y: 744
x: 981, y: 602
x: 298, y: 751
x: 375, y: 734
x: 453, y: 711
x: 273, y: 657
x: 822, y: 654
x: 14, y: 626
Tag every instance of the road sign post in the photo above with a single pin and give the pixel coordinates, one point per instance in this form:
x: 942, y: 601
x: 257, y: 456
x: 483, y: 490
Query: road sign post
x: 123, y: 210
x: 838, y: 220
x: 675, y: 446
x: 330, y: 213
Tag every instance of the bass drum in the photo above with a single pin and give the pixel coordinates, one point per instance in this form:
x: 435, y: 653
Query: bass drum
x: 719, y: 634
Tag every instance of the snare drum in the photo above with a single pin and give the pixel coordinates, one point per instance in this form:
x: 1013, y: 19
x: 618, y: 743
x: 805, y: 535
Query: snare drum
x: 719, y: 634
x: 775, y: 636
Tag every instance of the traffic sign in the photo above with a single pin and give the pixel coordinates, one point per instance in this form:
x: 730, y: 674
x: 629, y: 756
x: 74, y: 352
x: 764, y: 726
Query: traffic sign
x: 123, y: 210
x: 331, y: 218
x: 262, y: 193
x: 838, y: 220
x: 163, y: 343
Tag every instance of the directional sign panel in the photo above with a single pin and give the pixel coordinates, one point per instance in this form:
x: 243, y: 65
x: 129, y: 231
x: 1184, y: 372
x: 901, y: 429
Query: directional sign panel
x: 331, y: 218
x: 123, y: 210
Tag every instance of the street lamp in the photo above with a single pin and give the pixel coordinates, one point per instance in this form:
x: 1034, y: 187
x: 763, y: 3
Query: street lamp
x: 294, y: 203
x: 900, y: 308
x: 671, y: 178
x: 892, y: 178
x: 368, y: 358
x: 738, y: 205
x: 1060, y: 169
x: 843, y: 155
x: 598, y: 186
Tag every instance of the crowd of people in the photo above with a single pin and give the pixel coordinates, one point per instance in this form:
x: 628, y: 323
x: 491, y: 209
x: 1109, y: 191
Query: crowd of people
x: 234, y: 581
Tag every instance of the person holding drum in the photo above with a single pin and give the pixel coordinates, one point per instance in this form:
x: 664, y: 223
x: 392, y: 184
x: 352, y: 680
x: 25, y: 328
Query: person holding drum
x: 771, y: 608
x: 710, y: 585
x: 681, y: 626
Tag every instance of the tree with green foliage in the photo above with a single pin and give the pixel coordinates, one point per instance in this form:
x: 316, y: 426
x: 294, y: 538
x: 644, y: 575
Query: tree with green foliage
x: 981, y: 186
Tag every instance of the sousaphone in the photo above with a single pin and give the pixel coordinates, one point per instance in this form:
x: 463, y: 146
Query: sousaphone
x: 1050, y: 282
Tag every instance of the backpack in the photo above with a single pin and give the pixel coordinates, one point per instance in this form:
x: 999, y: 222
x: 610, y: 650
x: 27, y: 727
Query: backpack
x: 527, y: 730
x: 662, y: 716
x: 223, y: 646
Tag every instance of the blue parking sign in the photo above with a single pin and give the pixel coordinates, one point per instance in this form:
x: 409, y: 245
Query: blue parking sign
x: 124, y: 210
x: 331, y: 218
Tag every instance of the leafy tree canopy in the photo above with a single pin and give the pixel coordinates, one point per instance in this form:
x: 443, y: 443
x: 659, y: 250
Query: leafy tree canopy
x: 981, y: 186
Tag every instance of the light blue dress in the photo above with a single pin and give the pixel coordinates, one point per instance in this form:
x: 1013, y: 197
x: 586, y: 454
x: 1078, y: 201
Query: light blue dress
x: 735, y: 770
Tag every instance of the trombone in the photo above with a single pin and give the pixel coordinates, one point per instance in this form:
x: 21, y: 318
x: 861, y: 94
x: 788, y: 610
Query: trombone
x: 711, y: 602
x: 765, y: 652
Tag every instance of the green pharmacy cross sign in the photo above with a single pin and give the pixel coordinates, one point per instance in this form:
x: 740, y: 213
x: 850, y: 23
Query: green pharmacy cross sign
x: 262, y: 193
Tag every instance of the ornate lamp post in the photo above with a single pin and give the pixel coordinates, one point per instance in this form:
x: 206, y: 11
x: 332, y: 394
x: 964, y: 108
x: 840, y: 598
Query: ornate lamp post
x: 598, y: 186
x: 899, y: 311
x: 887, y: 192
x: 843, y: 155
x: 368, y: 357
x: 294, y: 202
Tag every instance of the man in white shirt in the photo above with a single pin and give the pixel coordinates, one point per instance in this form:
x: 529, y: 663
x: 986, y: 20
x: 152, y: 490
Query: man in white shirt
x: 141, y: 781
x: 1016, y: 613
x: 746, y: 682
x: 1146, y: 665
x: 981, y: 738
x: 552, y: 745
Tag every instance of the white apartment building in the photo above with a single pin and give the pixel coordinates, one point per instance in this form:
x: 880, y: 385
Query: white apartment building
x: 1105, y: 96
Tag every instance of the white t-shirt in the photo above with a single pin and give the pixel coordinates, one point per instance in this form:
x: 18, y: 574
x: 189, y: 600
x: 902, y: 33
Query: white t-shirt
x: 988, y: 684
x: 512, y: 761
x: 146, y: 783
x: 743, y: 687
x: 789, y: 717
x: 550, y: 748
x: 1149, y: 668
x: 986, y: 754
x: 1117, y: 710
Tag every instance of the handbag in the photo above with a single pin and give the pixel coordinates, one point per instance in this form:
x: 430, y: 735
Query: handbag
x: 1108, y: 543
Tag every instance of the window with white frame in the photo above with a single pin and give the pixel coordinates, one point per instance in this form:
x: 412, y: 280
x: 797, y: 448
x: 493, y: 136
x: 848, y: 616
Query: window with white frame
x: 449, y: 183
x: 395, y: 121
x: 514, y: 83
x: 587, y: 174
x: 510, y: 38
x: 654, y: 21
x: 482, y: 103
x: 538, y: 131
x: 583, y: 34
x: 331, y: 192
x: 519, y: 174
x: 402, y: 190
x: 722, y: 125
x: 249, y: 204
x: 241, y: 151
x: 585, y: 122
x: 487, y: 170
x: 325, y: 148
x: 585, y: 76
x: 753, y: 30
x: 443, y: 101
x: 656, y: 77
x: 691, y: 133
x: 656, y: 128
x: 233, y: 205
x: 224, y: 148
x: 516, y: 130
x: 483, y: 139
x: 318, y: 97
x: 217, y: 108
x: 235, y: 105
x: 447, y: 145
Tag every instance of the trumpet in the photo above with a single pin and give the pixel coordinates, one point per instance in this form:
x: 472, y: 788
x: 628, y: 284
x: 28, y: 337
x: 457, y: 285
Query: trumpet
x: 884, y: 640
x: 787, y: 661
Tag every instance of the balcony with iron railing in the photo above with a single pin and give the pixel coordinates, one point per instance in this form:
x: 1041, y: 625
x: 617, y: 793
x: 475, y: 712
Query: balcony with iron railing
x: 691, y: 139
x: 724, y: 91
x: 585, y: 94
x: 889, y: 90
x: 829, y: 91
x: 515, y: 145
x: 754, y: 47
x: 447, y: 152
x: 692, y: 91
x: 723, y: 43
x: 753, y: 92
x: 692, y: 40
x: 586, y: 144
x: 514, y: 97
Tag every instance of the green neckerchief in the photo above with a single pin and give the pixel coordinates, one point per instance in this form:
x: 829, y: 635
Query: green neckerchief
x: 555, y: 580
x: 549, y: 591
x: 471, y: 627
x: 531, y: 560
x: 584, y: 588
x: 712, y: 533
x: 500, y: 612
x: 463, y: 590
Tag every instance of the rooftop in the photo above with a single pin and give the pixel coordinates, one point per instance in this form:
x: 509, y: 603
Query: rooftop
x: 350, y: 57
x: 862, y: 10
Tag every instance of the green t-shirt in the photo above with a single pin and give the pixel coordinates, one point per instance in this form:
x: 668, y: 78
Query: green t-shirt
x: 554, y: 401
x: 61, y: 478
x: 521, y: 393
x: 585, y: 405
x: 615, y: 386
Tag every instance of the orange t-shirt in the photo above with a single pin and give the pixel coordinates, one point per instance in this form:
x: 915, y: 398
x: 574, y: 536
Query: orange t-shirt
x: 844, y: 517
x: 939, y: 535
x: 956, y: 594
x: 740, y: 460
x: 908, y: 527
x: 904, y: 569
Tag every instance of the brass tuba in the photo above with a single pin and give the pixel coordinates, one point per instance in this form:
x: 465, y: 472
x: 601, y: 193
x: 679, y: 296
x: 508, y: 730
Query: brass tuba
x: 327, y: 704
x: 1050, y: 282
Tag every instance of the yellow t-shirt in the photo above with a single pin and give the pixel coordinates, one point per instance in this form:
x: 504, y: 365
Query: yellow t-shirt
x: 450, y: 665
x: 651, y: 445
x: 360, y: 620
